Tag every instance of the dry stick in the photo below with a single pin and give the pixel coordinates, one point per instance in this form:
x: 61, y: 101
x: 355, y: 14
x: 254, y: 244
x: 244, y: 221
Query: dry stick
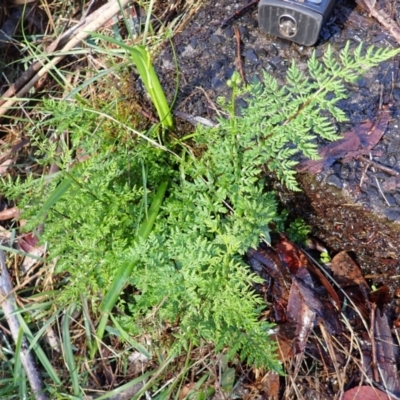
x: 384, y: 168
x: 238, y: 62
x: 75, y: 35
x: 238, y: 12
x: 373, y: 343
x: 36, y: 66
x: 9, y: 308
x: 382, y: 17
x: 332, y: 353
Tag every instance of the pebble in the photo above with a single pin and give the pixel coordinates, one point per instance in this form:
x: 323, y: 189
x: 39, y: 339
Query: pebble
x: 251, y: 56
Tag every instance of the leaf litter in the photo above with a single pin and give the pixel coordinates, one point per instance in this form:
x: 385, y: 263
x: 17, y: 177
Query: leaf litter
x: 355, y: 143
x: 329, y: 320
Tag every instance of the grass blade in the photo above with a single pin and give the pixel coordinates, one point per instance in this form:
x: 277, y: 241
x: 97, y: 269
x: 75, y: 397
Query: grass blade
x: 18, y: 364
x: 69, y: 354
x: 126, y: 387
x: 141, y: 57
x: 133, y: 343
x: 58, y: 192
x: 125, y: 270
x: 39, y: 352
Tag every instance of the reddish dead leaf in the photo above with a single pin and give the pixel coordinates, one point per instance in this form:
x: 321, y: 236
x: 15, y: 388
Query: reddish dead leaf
x: 380, y: 296
x: 272, y: 386
x: 292, y: 256
x: 356, y: 142
x: 323, y: 308
x: 302, y: 316
x: 300, y: 267
x: 285, y: 337
x: 346, y: 271
x: 357, y: 297
x: 365, y: 393
x: 27, y: 242
x: 281, y: 279
x: 348, y: 275
x: 386, y: 351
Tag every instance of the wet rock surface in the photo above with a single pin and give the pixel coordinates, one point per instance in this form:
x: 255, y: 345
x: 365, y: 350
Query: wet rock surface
x: 353, y: 206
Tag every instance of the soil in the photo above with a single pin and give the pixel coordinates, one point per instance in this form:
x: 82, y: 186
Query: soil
x: 352, y: 206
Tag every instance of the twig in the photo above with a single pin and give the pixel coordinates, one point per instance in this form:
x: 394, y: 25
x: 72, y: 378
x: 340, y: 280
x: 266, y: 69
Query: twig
x: 382, y: 17
x: 238, y: 13
x: 373, y: 344
x: 381, y: 191
x: 10, y: 311
x: 388, y: 170
x: 71, y: 39
x: 238, y: 61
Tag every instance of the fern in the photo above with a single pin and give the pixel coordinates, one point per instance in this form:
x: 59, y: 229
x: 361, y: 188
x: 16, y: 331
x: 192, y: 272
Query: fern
x: 190, y: 271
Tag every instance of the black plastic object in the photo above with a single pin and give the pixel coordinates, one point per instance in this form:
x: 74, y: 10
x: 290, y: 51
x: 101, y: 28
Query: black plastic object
x: 299, y: 21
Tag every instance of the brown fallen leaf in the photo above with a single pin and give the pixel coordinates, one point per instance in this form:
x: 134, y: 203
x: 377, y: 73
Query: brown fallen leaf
x: 302, y: 316
x: 386, y: 351
x: 300, y: 267
x: 356, y: 142
x: 348, y: 275
x: 270, y: 263
x: 365, y: 393
x: 346, y: 271
x: 294, y: 257
x: 322, y: 307
x: 29, y: 244
x: 380, y: 296
x: 272, y: 385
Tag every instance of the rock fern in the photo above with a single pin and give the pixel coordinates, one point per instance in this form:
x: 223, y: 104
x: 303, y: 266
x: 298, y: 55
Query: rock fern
x: 190, y: 273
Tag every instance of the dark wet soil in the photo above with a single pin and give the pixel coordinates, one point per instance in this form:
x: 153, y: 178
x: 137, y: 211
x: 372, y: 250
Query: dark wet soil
x: 352, y: 206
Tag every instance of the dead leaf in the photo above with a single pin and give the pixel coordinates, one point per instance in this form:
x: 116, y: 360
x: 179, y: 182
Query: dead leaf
x: 386, y: 351
x: 4, y: 166
x: 185, y: 391
x: 294, y: 257
x: 290, y: 255
x: 380, y: 296
x: 285, y: 337
x: 281, y: 279
x: 302, y: 316
x: 272, y: 385
x: 359, y: 299
x: 9, y: 213
x: 323, y: 308
x: 365, y: 393
x: 356, y: 142
x: 29, y: 244
x: 346, y: 271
